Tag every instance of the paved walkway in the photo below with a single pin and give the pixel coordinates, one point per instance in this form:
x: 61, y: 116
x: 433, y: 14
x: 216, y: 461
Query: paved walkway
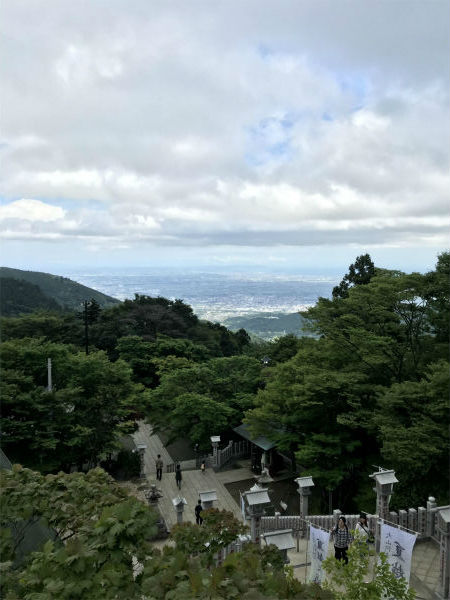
x: 425, y: 567
x: 192, y: 483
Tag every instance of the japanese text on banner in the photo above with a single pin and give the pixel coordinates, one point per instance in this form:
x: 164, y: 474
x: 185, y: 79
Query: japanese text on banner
x: 318, y: 549
x: 398, y: 546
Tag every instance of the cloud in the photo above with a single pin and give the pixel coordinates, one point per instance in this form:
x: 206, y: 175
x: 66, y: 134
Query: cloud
x: 31, y: 210
x: 193, y: 125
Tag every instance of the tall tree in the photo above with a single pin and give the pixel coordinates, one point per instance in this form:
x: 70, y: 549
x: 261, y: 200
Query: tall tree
x: 359, y: 273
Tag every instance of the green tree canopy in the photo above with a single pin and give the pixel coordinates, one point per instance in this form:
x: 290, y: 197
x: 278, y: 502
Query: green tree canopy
x: 359, y: 273
x: 414, y: 423
x: 187, y: 399
x: 93, y: 401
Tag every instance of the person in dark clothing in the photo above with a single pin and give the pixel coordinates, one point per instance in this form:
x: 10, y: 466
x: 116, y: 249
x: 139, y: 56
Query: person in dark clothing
x: 342, y: 539
x: 198, y: 511
x: 178, y: 476
x: 159, y: 467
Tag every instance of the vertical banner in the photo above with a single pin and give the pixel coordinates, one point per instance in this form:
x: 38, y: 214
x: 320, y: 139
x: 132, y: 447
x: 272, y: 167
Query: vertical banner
x: 398, y: 546
x: 318, y: 550
x: 243, y: 508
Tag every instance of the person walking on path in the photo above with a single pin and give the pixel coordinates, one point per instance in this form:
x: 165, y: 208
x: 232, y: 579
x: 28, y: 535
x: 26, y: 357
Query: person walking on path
x: 159, y: 467
x: 342, y: 539
x: 198, y: 510
x: 203, y: 467
x: 178, y: 476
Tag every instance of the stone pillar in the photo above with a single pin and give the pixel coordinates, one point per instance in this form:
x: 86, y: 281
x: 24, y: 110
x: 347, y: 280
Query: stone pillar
x: 178, y: 504
x: 215, y: 441
x: 443, y: 525
x: 393, y: 517
x: 305, y: 484
x: 412, y: 519
x: 422, y: 520
x: 383, y: 506
x: 384, y: 482
x: 304, y: 501
x: 431, y: 505
x: 256, y: 499
x: 255, y: 514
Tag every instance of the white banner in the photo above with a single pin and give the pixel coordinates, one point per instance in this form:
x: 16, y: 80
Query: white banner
x: 318, y: 550
x: 244, y: 518
x: 398, y: 546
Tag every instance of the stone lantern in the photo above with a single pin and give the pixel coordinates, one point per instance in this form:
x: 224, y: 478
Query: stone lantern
x: 207, y: 498
x: 443, y: 526
x: 141, y: 448
x: 256, y: 499
x: 304, y: 490
x: 215, y: 441
x: 282, y: 539
x: 179, y: 504
x: 384, y: 483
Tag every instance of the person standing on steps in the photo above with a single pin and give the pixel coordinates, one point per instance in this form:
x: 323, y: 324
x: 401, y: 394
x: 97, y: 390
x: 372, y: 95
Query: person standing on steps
x: 159, y: 467
x: 342, y: 539
x: 178, y: 476
x: 198, y: 511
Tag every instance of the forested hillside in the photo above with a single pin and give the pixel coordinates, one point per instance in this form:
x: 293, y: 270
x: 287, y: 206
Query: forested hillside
x: 18, y: 297
x: 369, y: 386
x: 65, y: 292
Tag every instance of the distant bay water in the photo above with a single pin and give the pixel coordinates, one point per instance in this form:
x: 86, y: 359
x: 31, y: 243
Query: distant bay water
x: 214, y: 296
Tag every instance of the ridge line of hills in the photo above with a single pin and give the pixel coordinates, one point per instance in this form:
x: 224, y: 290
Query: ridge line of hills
x: 25, y: 291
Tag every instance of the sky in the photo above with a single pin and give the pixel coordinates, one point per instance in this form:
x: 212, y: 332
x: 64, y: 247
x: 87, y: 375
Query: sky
x: 288, y: 135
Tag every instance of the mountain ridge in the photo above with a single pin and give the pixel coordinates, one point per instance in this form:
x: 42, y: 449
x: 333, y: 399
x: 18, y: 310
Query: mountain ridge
x: 68, y: 294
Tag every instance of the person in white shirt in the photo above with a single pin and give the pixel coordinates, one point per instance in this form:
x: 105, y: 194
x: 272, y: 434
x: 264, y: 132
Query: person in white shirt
x: 362, y: 527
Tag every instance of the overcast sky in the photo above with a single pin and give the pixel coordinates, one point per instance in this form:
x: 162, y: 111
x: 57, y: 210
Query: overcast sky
x: 240, y: 133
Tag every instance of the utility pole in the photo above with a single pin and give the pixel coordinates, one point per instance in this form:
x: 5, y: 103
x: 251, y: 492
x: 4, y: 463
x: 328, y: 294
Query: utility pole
x: 49, y: 375
x: 86, y: 332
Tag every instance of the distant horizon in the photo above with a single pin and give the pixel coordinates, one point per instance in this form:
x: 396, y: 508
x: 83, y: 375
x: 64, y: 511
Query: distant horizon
x: 404, y: 259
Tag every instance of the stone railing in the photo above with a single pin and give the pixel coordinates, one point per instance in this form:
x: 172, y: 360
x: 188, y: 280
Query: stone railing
x: 216, y: 460
x: 422, y: 520
x: 232, y: 450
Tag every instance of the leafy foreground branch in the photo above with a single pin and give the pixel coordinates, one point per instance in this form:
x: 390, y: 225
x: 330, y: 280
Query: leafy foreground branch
x: 350, y: 582
x: 108, y: 552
